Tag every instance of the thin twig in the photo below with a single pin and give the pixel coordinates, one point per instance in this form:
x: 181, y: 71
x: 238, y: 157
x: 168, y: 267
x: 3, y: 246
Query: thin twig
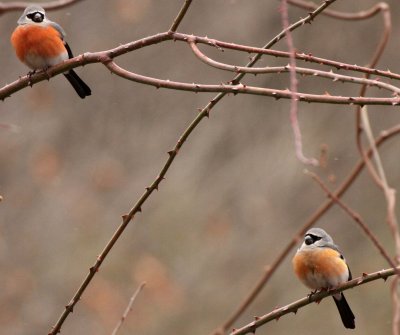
x: 180, y: 16
x: 106, y: 57
x: 128, y: 308
x: 306, y: 57
x: 282, y: 69
x: 396, y: 302
x: 294, y: 106
x: 362, y: 116
x: 299, y: 234
x: 355, y: 216
x: 252, y: 90
x: 363, y: 123
x: 362, y: 15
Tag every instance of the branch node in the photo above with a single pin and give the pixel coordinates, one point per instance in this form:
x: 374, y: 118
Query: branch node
x: 105, y: 58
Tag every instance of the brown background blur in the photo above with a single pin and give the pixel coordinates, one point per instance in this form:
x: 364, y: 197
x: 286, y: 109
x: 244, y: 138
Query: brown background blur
x: 235, y: 195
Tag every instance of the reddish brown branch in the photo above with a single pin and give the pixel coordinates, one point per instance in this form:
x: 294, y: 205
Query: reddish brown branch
x: 299, y: 234
x: 282, y: 69
x: 106, y: 58
x: 387, y: 25
x: 244, y: 89
x: 362, y: 120
x: 180, y: 15
x: 362, y: 15
x: 295, y: 306
x: 283, y: 54
x: 356, y: 217
x: 294, y: 106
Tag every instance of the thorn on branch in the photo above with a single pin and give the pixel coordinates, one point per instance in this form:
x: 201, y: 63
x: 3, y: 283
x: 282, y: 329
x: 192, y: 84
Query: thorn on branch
x: 70, y: 307
x: 276, y: 96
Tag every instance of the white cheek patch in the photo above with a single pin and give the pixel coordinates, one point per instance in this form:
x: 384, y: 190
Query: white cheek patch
x: 36, y: 62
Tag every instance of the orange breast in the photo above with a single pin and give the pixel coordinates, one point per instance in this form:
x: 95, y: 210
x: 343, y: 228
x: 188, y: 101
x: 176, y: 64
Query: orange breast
x: 37, y: 40
x: 321, y: 265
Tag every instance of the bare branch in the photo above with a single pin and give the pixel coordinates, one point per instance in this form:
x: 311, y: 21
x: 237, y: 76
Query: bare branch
x: 283, y: 54
x: 295, y: 306
x: 362, y: 15
x: 385, y: 135
x: 294, y: 110
x: 180, y: 16
x: 355, y: 216
x: 106, y: 56
x: 253, y: 90
x: 128, y: 308
x: 281, y: 69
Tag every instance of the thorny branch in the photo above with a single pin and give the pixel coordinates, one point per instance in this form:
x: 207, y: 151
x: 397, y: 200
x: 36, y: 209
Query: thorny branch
x: 295, y: 306
x: 294, y: 105
x: 285, y: 252
x: 107, y: 58
x: 319, y: 212
x: 356, y: 217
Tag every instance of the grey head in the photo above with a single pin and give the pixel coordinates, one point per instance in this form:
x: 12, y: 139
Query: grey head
x: 318, y: 237
x: 33, y: 13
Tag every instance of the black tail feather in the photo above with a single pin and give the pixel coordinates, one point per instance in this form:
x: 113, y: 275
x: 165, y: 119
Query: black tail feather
x: 345, y: 312
x: 78, y: 84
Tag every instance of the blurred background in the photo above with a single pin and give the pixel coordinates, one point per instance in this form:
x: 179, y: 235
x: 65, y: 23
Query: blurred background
x: 234, y: 196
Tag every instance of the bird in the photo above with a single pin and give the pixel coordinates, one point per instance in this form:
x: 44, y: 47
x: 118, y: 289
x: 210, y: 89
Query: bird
x: 39, y: 43
x: 320, y: 265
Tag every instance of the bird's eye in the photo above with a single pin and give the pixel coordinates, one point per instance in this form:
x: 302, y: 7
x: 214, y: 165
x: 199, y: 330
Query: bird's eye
x: 36, y: 17
x: 308, y: 240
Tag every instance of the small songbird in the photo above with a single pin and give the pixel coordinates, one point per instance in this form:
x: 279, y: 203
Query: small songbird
x: 320, y: 265
x: 39, y: 43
